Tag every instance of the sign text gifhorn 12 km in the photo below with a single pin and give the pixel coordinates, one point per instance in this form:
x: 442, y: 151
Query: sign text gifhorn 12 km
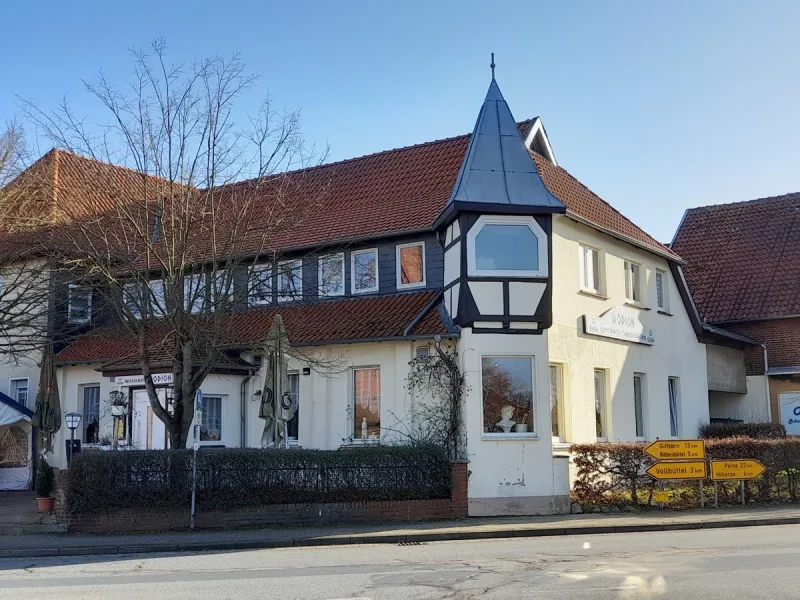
x: 676, y: 449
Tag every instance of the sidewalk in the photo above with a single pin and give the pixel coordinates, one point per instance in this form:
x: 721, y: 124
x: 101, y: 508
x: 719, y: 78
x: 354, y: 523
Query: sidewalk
x: 394, y: 533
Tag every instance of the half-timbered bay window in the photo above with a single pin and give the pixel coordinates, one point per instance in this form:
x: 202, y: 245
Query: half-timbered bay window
x: 508, y: 402
x: 367, y: 404
x: 259, y: 285
x: 364, y: 271
x: 411, y: 265
x: 507, y: 246
x: 331, y: 275
x: 80, y: 304
x: 290, y: 280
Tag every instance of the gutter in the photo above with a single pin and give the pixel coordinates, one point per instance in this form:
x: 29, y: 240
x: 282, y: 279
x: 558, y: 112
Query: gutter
x: 423, y: 312
x: 766, y: 382
x: 243, y: 406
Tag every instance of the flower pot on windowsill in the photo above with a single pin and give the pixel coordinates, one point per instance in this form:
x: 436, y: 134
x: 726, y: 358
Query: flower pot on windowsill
x: 117, y: 411
x: 46, y: 505
x: 521, y: 428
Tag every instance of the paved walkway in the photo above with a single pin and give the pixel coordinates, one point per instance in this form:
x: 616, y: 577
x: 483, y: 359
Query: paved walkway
x: 472, y: 528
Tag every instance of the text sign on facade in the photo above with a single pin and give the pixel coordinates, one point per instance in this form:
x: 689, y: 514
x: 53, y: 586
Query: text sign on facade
x: 736, y: 470
x: 676, y: 449
x: 690, y: 469
x: 619, y: 323
x: 129, y: 380
x: 790, y: 411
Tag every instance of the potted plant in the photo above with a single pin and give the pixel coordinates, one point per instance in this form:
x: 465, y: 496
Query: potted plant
x: 522, y: 426
x: 118, y: 403
x: 45, y: 483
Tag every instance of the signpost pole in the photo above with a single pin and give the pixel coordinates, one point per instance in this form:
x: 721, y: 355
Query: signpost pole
x: 702, y: 494
x: 744, y: 503
x: 716, y: 494
x: 198, y: 410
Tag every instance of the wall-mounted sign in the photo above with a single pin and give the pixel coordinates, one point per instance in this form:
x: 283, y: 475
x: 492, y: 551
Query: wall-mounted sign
x: 130, y: 380
x: 619, y: 323
x: 790, y: 411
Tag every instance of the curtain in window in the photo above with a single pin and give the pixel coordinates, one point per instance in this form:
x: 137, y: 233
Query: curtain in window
x: 211, y: 425
x: 91, y: 414
x: 673, y: 407
x: 294, y: 394
x: 367, y: 400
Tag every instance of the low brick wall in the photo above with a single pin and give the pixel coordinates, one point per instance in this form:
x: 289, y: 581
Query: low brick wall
x: 141, y: 520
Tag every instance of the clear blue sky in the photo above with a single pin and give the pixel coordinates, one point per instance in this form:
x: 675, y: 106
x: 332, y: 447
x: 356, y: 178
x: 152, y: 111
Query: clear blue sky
x: 655, y: 106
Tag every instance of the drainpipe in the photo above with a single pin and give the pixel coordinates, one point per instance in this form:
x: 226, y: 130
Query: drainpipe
x: 766, y: 382
x: 243, y: 402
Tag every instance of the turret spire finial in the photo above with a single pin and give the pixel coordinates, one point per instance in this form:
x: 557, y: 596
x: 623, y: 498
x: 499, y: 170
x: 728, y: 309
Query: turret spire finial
x: 492, y: 65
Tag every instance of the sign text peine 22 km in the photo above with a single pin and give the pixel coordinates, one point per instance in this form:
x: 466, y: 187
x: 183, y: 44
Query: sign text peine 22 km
x: 736, y: 470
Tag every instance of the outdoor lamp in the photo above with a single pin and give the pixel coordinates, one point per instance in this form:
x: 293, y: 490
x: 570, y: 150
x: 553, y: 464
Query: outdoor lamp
x: 73, y: 420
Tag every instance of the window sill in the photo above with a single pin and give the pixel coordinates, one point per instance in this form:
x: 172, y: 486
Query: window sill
x: 561, y: 448
x: 592, y: 294
x: 665, y: 313
x: 364, y: 292
x: 638, y: 305
x: 489, y: 437
x: 410, y: 286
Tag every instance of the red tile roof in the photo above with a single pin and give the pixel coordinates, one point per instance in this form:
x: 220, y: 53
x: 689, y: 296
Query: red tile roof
x: 743, y: 259
x: 352, y: 319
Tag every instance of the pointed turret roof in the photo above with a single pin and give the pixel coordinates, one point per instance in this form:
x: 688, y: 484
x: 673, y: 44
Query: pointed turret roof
x: 498, y: 173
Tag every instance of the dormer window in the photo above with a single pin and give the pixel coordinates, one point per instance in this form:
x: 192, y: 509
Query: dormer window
x: 507, y: 246
x: 80, y: 304
x: 411, y: 265
x: 364, y: 271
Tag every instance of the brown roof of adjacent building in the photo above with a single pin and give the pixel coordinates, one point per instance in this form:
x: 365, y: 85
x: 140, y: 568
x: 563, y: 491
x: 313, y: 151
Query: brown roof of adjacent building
x: 380, y: 318
x: 743, y: 259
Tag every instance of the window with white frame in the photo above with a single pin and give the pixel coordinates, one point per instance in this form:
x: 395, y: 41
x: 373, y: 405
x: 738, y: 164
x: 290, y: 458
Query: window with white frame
x: 364, y: 271
x: 557, y: 417
x: 638, y: 403
x: 673, y: 394
x: 600, y: 412
x: 18, y: 390
x: 158, y: 298
x: 294, y: 395
x: 290, y: 280
x: 331, y: 275
x: 259, y: 285
x: 222, y: 290
x: 211, y: 422
x: 132, y: 298
x: 633, y: 282
x: 662, y: 290
x: 80, y: 304
x: 507, y: 246
x: 508, y: 400
x: 590, y: 269
x: 195, y: 290
x: 411, y: 265
x: 91, y: 414
x: 367, y: 404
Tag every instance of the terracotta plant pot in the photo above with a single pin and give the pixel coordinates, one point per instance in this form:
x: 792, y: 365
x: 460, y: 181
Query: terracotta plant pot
x: 46, y: 505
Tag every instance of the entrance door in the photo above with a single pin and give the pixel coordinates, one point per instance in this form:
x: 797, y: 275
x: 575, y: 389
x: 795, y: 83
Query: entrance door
x: 149, y: 432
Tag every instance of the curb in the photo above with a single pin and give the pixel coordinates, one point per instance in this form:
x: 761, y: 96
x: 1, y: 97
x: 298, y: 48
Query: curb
x: 407, y: 538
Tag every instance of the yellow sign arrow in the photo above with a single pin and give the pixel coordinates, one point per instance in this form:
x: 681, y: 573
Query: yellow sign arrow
x: 688, y: 469
x: 735, y: 470
x: 677, y: 449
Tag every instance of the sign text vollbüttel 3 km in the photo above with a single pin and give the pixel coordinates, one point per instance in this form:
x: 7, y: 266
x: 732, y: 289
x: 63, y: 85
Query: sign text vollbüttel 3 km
x: 686, y: 469
x: 677, y: 449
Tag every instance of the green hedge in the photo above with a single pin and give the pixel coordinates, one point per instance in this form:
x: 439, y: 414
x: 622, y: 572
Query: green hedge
x: 615, y: 474
x: 751, y: 430
x: 228, y: 478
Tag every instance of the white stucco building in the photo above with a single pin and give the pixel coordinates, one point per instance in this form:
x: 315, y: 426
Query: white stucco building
x: 571, y: 324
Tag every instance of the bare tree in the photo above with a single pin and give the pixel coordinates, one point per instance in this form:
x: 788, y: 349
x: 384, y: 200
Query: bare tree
x: 176, y: 240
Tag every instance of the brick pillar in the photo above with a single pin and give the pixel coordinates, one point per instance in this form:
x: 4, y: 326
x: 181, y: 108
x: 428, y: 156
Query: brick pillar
x: 458, y: 495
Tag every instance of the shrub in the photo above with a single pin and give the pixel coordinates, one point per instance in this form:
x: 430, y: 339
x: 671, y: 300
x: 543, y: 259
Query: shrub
x: 732, y: 429
x: 228, y: 478
x: 615, y: 474
x: 45, y: 479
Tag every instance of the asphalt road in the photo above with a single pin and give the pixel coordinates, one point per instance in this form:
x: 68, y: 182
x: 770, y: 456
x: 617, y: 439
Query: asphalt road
x: 754, y: 562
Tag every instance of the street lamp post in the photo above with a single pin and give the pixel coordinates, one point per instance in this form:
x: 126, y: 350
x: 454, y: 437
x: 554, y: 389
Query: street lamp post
x: 73, y: 420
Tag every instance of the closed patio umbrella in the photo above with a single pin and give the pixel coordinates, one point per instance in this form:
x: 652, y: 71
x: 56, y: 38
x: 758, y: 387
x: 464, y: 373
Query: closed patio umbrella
x: 47, y: 416
x: 274, y: 397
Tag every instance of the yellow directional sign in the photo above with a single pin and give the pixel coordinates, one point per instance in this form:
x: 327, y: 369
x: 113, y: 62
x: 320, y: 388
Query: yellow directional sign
x: 735, y: 470
x: 677, y: 449
x: 687, y: 469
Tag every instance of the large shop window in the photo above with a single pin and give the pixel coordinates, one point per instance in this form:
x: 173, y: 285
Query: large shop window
x: 411, y: 265
x: 211, y: 423
x: 364, y: 269
x: 507, y: 384
x: 507, y: 247
x: 91, y: 414
x: 557, y: 419
x: 331, y: 275
x: 600, y: 415
x: 638, y: 403
x: 80, y: 304
x: 290, y: 280
x: 294, y: 394
x: 367, y: 404
x: 259, y: 285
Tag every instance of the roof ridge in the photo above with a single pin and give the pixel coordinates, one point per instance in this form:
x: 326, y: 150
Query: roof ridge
x: 740, y: 202
x: 92, y: 159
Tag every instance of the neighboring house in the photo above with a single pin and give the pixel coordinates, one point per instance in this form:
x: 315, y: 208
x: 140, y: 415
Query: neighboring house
x: 571, y: 323
x: 743, y: 268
